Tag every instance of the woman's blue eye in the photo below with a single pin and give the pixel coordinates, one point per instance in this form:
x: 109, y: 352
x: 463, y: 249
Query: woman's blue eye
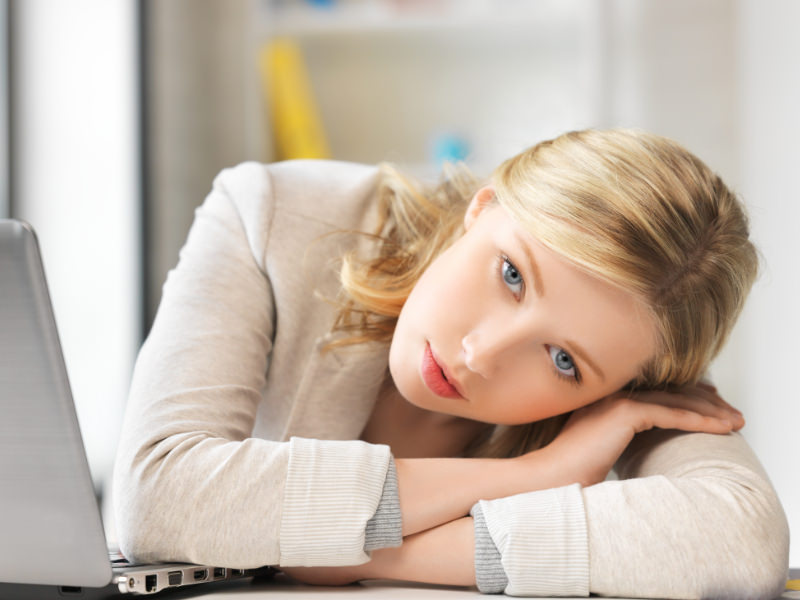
x: 512, y: 277
x: 562, y: 361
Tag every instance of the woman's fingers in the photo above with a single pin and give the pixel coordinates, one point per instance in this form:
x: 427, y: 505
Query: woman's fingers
x: 710, y: 393
x: 696, y: 399
x: 707, y: 386
x: 669, y: 417
x: 596, y: 435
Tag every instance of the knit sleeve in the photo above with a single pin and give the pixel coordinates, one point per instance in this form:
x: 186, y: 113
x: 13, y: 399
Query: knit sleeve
x: 693, y: 516
x: 191, y: 482
x: 542, y: 542
x: 385, y: 528
x: 490, y: 576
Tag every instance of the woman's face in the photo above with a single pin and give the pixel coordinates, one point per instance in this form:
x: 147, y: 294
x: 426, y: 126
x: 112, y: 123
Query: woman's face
x: 501, y: 329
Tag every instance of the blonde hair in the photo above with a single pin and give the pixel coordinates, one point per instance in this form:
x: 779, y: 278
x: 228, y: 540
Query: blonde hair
x: 644, y: 214
x: 415, y: 226
x: 634, y: 209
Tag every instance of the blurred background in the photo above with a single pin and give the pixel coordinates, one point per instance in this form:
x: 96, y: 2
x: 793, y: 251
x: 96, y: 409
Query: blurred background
x: 115, y: 116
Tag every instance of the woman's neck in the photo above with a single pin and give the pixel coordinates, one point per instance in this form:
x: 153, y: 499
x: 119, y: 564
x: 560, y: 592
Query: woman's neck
x: 414, y: 432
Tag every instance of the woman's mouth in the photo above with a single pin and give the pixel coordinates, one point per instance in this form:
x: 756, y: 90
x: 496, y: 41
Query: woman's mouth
x: 434, y: 377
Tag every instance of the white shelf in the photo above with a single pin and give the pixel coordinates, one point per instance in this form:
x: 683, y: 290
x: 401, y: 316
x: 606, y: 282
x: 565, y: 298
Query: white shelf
x: 390, y: 77
x: 381, y: 17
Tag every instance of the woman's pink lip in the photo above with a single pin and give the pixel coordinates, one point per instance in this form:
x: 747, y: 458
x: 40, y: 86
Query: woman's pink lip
x: 435, y: 377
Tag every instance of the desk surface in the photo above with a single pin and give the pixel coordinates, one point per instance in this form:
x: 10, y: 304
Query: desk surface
x: 281, y: 587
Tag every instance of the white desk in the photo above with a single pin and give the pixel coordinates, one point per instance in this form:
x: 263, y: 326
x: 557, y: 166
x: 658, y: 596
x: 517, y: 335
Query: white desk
x: 282, y: 587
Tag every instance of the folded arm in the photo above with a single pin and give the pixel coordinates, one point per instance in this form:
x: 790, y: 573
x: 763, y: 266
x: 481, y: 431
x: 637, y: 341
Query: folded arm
x: 192, y: 483
x: 694, y: 515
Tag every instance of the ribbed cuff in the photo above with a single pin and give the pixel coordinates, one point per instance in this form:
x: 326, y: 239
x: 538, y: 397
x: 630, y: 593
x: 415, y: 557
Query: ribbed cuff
x: 385, y: 528
x: 332, y: 490
x: 542, y: 540
x: 489, y: 573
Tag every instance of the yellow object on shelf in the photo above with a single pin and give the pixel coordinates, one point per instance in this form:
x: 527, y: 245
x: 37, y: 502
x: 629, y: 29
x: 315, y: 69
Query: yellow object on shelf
x: 793, y: 584
x: 296, y: 123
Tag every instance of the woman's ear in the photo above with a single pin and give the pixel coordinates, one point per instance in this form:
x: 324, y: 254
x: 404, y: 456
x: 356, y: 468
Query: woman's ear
x: 482, y: 198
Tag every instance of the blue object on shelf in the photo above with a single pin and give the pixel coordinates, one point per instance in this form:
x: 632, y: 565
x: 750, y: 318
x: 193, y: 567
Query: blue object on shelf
x: 449, y: 148
x: 321, y: 3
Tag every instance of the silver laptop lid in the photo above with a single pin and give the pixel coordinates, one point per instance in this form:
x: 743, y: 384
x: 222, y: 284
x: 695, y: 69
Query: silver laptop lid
x: 51, y: 531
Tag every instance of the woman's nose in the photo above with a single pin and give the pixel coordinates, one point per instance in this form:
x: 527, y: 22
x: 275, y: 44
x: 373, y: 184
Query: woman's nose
x: 470, y: 356
x: 483, y: 352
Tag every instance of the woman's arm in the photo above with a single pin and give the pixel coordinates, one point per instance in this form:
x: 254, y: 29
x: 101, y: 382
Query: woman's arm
x: 435, y: 491
x: 694, y: 516
x: 238, y: 321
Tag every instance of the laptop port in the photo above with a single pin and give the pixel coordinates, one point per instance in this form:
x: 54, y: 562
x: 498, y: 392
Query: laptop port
x: 175, y: 578
x: 219, y: 573
x: 237, y: 572
x: 201, y: 574
x: 69, y: 590
x: 150, y: 583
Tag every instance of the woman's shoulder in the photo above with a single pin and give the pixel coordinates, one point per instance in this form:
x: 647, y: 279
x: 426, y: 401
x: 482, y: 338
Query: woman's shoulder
x: 311, y: 184
x: 287, y: 207
x: 322, y: 170
x: 334, y: 195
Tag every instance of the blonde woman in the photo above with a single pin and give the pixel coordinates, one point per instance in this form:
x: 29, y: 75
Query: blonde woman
x: 350, y: 378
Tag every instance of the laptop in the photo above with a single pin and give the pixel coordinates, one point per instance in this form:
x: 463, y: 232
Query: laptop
x: 52, y: 540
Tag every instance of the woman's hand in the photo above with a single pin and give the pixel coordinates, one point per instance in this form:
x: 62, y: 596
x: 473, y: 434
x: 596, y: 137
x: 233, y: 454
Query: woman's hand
x: 595, y: 436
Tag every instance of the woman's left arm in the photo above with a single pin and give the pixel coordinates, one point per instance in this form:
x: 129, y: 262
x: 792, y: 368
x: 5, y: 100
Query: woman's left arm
x: 694, y: 515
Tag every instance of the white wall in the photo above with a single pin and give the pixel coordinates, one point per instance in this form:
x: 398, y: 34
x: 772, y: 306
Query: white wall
x: 770, y: 160
x: 76, y: 181
x: 4, y: 205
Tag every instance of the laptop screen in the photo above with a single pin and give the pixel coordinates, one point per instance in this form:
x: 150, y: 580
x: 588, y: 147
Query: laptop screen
x: 50, y: 513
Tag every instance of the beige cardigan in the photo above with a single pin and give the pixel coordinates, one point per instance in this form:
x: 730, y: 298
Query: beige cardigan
x: 228, y: 452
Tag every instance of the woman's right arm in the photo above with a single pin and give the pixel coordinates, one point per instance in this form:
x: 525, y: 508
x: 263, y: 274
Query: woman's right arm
x: 191, y: 483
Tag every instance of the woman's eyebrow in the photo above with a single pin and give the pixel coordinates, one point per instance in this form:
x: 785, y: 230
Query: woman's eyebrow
x: 538, y: 284
x: 581, y: 353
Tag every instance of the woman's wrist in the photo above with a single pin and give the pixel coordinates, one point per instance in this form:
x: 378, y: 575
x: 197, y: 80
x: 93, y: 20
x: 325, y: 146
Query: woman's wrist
x: 434, y: 491
x: 540, y: 469
x: 439, y: 490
